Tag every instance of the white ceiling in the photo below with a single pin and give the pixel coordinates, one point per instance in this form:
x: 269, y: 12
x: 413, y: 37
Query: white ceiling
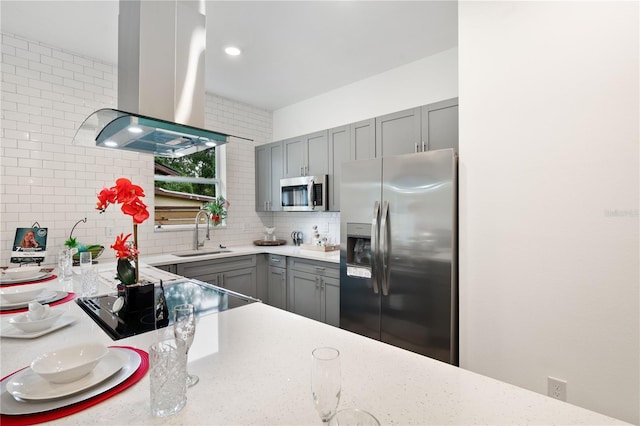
x: 292, y: 50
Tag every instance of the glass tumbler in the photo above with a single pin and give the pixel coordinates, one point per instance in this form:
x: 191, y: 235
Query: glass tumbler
x: 167, y: 377
x: 89, y: 280
x: 65, y: 273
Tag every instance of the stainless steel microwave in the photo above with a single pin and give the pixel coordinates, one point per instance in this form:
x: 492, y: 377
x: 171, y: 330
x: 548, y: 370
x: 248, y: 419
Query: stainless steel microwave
x: 305, y: 193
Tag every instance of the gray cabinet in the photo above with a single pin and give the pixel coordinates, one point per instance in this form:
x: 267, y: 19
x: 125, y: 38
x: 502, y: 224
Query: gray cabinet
x: 277, y: 281
x: 314, y: 290
x: 306, y: 155
x: 363, y: 139
x: 440, y: 125
x: 269, y: 170
x: 173, y: 268
x: 234, y: 273
x: 339, y: 152
x: 398, y: 133
x: 347, y: 143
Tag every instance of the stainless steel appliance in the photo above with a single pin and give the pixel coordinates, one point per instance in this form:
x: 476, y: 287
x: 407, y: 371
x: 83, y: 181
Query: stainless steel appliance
x: 305, y: 193
x: 398, y: 257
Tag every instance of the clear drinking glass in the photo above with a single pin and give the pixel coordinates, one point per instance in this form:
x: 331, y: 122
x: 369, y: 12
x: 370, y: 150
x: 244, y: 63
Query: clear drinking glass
x: 184, y: 328
x: 89, y: 280
x: 167, y: 372
x: 85, y: 258
x: 325, y: 381
x: 64, y: 265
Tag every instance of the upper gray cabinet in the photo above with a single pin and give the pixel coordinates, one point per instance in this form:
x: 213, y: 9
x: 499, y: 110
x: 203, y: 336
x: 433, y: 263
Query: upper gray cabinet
x: 347, y: 143
x: 269, y: 171
x: 398, y: 133
x: 306, y: 155
x: 339, y: 152
x: 440, y: 125
x: 363, y: 139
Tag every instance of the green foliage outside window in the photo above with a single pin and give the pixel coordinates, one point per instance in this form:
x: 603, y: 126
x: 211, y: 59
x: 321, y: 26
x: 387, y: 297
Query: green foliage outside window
x: 200, y: 164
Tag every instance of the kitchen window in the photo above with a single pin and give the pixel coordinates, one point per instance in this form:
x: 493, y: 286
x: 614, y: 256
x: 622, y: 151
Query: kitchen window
x: 184, y: 185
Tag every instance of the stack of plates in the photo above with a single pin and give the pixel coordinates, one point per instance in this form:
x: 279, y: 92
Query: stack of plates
x: 24, y: 275
x: 46, y: 296
x: 25, y: 392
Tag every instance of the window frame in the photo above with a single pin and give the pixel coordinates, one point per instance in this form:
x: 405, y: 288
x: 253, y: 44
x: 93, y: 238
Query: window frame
x: 219, y: 181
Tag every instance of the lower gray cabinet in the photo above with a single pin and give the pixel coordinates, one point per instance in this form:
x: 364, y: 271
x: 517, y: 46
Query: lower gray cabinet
x: 314, y: 290
x: 277, y: 281
x: 233, y: 273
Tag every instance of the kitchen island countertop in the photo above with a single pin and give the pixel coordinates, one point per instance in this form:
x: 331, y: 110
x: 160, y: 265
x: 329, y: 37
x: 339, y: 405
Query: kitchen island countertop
x: 254, y: 368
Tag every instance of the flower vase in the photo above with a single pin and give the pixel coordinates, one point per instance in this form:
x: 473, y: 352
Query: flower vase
x: 139, y: 298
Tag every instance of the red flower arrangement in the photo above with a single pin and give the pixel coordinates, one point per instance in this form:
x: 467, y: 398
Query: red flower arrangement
x: 126, y: 193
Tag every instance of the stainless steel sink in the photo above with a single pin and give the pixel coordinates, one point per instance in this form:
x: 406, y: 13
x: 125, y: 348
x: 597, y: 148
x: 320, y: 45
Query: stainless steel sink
x: 192, y: 253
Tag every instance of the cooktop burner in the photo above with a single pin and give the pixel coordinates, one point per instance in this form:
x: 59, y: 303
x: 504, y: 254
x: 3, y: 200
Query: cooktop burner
x: 205, y: 297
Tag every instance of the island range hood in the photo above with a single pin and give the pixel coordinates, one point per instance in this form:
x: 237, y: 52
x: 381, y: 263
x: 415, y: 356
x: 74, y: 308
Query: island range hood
x: 161, y: 46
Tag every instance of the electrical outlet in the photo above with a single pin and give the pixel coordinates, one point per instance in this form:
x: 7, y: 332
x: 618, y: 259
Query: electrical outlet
x: 557, y: 388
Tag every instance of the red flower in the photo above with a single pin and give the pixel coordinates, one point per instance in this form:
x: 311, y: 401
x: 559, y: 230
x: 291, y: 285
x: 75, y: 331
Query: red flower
x: 127, y: 192
x: 105, y: 197
x: 215, y: 218
x: 136, y: 209
x: 123, y: 249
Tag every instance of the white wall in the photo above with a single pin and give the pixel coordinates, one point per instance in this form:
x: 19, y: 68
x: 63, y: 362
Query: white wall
x: 431, y: 79
x: 549, y: 197
x: 46, y: 93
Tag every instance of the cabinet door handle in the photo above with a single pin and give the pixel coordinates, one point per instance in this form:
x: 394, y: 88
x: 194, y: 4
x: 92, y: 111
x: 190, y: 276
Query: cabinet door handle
x: 317, y: 283
x: 424, y: 146
x: 417, y: 148
x: 319, y: 268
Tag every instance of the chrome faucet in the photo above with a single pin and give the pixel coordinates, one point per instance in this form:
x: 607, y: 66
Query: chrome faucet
x: 196, y: 240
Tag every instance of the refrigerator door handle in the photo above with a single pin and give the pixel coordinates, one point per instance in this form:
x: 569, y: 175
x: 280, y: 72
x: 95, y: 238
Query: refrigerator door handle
x: 375, y: 229
x: 385, y: 247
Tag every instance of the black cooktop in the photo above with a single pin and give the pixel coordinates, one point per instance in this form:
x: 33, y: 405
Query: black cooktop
x: 205, y: 297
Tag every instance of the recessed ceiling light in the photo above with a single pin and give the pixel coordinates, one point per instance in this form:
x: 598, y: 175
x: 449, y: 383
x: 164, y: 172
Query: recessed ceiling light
x: 232, y: 51
x: 111, y: 144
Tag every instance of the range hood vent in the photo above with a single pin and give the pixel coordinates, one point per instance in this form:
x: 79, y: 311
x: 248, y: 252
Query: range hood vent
x: 161, y: 48
x: 112, y: 128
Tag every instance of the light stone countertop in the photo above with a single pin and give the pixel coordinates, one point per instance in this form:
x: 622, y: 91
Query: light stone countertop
x: 254, y: 368
x: 285, y: 250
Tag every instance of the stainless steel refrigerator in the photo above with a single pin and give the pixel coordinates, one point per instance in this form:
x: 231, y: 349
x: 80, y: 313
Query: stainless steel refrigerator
x: 398, y: 253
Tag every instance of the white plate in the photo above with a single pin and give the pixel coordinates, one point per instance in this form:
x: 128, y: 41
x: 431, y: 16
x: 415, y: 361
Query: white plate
x: 47, y: 296
x: 28, y: 385
x: 22, y: 273
x: 9, y: 330
x: 11, y: 406
x: 40, y: 276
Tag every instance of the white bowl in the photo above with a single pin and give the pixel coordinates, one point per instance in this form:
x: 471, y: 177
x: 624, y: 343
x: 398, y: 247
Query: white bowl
x: 23, y: 272
x: 70, y: 363
x: 26, y: 324
x: 22, y: 293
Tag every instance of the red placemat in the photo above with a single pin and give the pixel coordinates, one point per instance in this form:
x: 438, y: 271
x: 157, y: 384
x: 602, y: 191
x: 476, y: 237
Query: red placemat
x: 44, y: 280
x: 70, y: 296
x: 47, y: 416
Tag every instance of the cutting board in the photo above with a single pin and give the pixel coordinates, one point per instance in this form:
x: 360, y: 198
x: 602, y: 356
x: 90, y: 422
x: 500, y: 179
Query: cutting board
x: 269, y: 243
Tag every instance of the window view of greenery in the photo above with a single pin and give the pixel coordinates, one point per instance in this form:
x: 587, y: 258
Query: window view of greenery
x: 183, y: 185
